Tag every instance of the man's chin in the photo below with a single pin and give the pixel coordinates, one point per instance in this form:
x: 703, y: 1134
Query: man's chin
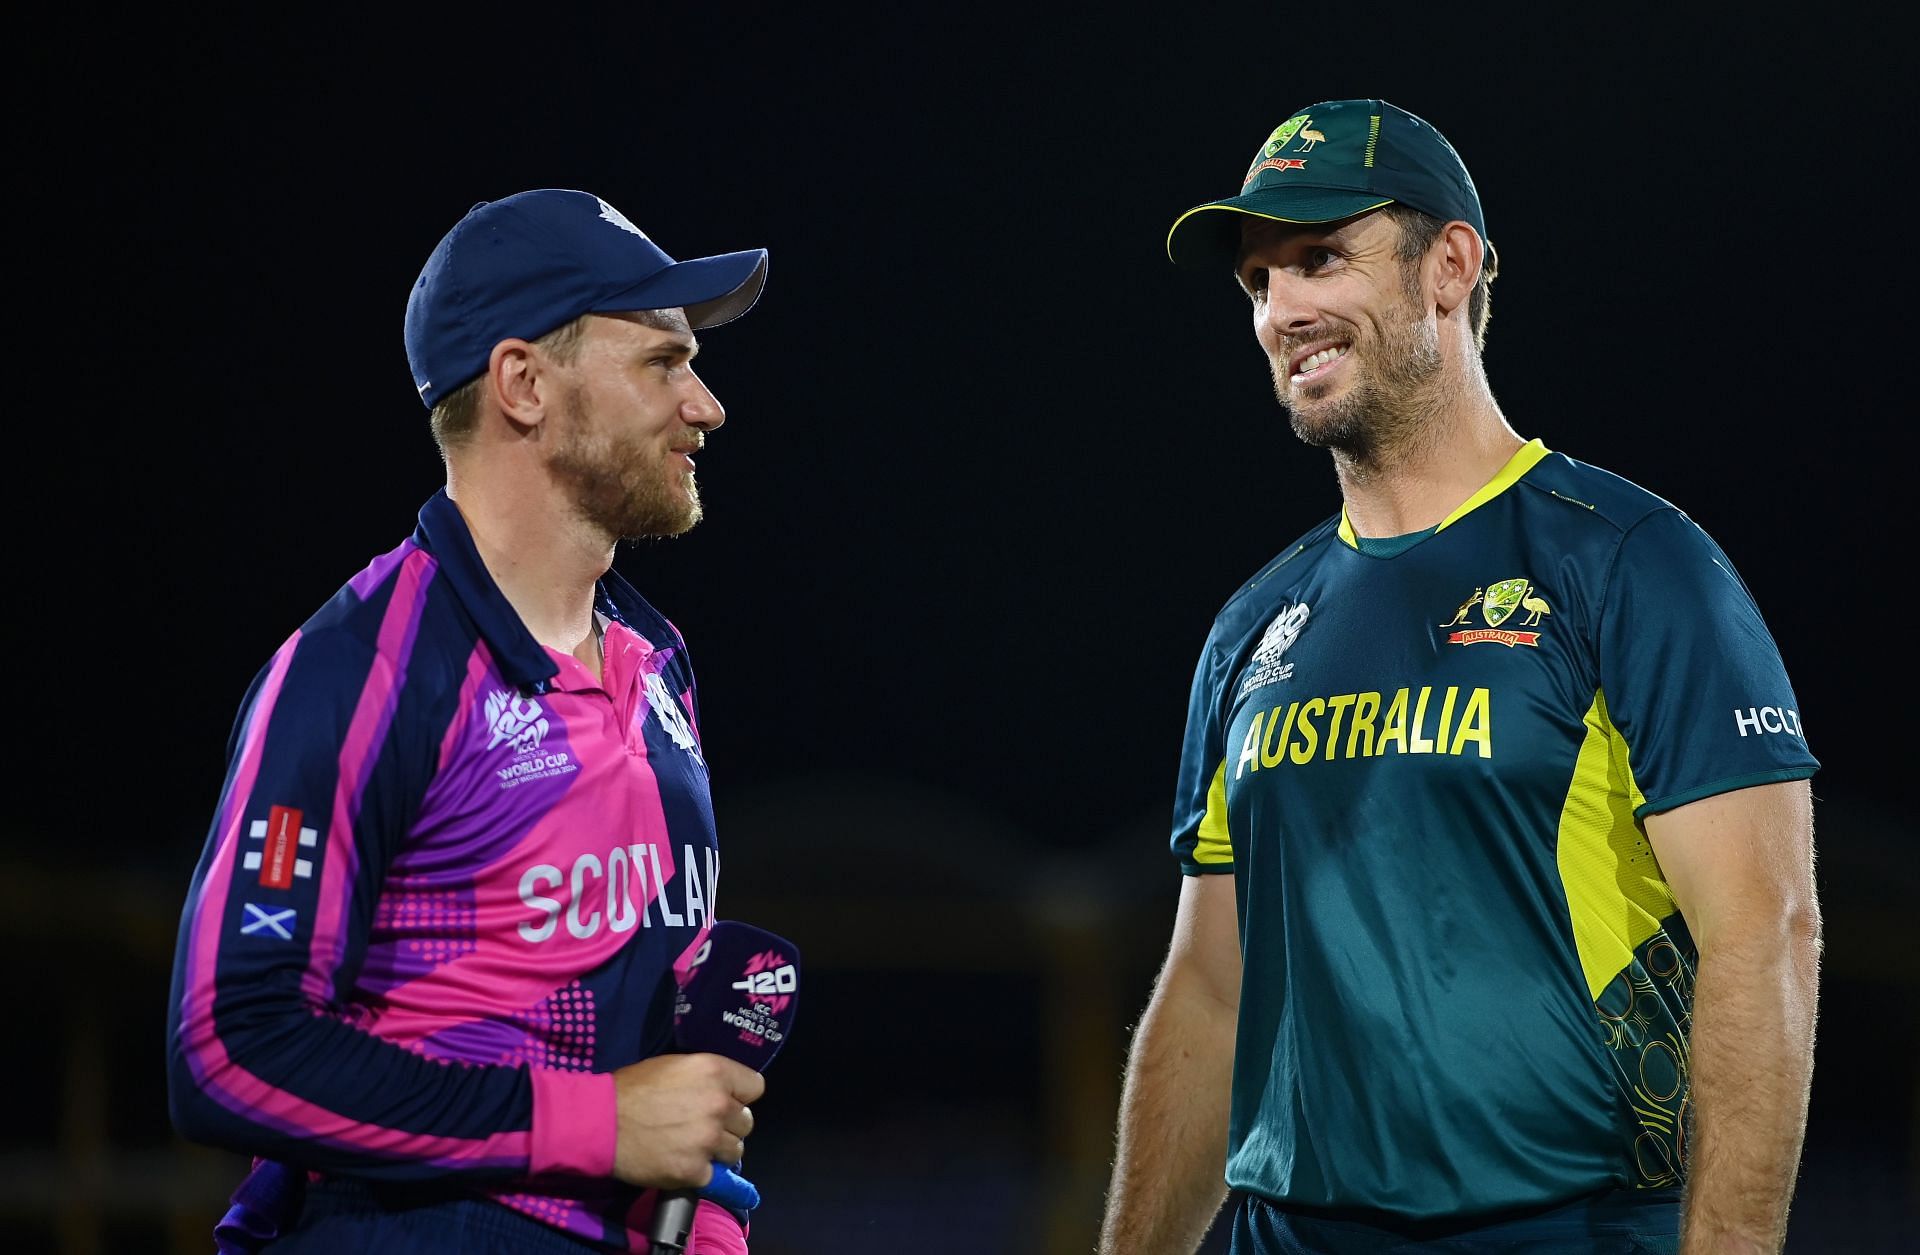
x: 660, y: 525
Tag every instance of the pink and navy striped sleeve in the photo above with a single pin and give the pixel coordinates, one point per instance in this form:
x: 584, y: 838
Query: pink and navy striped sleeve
x: 332, y: 754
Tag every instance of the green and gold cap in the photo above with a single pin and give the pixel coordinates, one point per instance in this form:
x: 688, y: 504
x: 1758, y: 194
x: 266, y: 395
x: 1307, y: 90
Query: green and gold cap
x: 1329, y: 161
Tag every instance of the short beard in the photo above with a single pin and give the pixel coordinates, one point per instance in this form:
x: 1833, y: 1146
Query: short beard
x: 1387, y: 409
x: 617, y: 486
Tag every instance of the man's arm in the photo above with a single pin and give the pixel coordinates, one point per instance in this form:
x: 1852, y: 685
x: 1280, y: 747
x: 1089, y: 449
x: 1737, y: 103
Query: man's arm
x: 1170, y: 1164
x: 1741, y: 868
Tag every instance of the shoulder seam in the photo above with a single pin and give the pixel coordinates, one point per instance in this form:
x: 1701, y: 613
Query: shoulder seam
x: 1313, y: 537
x: 1597, y: 512
x: 1613, y: 563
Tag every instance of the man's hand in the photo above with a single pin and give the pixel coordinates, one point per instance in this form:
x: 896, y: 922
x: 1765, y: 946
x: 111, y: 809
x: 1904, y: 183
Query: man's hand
x: 678, y: 1114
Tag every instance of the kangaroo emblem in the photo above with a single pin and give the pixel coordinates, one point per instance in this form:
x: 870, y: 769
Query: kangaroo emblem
x: 1535, y: 607
x: 1460, y: 615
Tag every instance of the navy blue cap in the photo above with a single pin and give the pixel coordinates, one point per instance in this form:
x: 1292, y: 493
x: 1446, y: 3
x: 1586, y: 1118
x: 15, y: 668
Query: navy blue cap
x: 520, y: 267
x: 1328, y: 161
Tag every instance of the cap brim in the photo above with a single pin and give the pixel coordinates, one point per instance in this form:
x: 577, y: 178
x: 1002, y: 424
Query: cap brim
x: 712, y: 290
x: 1198, y: 237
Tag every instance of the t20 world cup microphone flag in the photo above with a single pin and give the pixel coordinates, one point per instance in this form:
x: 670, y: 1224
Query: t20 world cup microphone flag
x: 739, y: 1000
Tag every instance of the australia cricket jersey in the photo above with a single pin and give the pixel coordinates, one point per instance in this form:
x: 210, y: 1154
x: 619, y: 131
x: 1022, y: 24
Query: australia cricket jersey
x: 444, y: 894
x: 1466, y: 986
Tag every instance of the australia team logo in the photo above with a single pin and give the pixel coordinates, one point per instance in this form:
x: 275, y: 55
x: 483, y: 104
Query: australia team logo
x: 1272, y: 154
x: 1497, y: 603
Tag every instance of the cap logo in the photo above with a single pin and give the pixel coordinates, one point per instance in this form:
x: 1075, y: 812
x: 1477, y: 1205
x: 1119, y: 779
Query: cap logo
x: 618, y: 219
x: 1269, y: 158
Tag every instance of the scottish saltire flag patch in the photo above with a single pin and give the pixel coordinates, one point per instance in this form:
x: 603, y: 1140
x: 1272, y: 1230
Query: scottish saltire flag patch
x: 263, y: 921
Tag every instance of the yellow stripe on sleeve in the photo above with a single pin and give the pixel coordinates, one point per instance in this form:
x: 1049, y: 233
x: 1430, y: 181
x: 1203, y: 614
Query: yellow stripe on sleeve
x: 1615, y: 891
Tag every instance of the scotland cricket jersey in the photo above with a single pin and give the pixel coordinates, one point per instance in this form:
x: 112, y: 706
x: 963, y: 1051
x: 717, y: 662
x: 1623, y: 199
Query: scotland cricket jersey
x: 445, y: 891
x: 1466, y: 984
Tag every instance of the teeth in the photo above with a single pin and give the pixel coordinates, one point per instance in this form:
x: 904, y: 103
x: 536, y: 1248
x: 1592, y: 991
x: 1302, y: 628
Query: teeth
x: 1317, y: 360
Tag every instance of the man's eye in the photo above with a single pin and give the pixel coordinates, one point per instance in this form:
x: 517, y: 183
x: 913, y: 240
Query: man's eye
x: 1318, y: 258
x: 1256, y: 282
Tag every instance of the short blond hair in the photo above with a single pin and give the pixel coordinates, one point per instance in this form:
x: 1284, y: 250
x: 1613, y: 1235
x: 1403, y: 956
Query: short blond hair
x: 458, y: 413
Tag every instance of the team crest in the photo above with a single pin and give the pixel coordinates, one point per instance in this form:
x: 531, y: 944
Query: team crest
x: 1269, y: 158
x: 1503, y: 598
x: 1497, y: 603
x: 671, y: 717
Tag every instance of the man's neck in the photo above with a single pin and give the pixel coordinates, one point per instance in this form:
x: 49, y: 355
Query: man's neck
x: 545, y: 561
x: 1415, y: 484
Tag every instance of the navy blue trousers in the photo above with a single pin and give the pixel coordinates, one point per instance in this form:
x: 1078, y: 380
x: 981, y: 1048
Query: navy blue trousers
x: 345, y: 1218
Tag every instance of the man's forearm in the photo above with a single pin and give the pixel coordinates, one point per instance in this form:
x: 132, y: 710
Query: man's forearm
x: 1752, y: 1061
x: 1168, y: 1173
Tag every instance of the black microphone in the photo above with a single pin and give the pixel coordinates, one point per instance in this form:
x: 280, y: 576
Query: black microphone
x: 738, y: 1001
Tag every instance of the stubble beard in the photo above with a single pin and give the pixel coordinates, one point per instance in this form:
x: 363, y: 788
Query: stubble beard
x: 619, y: 486
x: 1386, y: 409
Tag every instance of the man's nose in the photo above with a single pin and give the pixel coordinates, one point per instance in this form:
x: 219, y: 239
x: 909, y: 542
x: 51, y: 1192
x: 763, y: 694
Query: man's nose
x: 700, y: 408
x: 1287, y: 309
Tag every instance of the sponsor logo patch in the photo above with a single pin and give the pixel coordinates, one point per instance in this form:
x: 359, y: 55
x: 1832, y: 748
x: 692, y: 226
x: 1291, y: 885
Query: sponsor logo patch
x: 281, y: 839
x: 1760, y: 720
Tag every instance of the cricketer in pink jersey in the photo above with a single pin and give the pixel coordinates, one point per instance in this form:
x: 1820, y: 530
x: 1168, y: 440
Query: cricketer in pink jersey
x: 426, y: 969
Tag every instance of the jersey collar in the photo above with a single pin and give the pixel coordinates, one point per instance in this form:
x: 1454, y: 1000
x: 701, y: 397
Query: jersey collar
x: 1524, y: 460
x: 444, y: 534
x: 523, y: 661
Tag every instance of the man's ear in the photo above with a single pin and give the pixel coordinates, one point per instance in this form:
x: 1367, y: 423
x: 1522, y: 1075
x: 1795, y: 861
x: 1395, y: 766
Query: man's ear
x: 518, y: 374
x: 1454, y: 260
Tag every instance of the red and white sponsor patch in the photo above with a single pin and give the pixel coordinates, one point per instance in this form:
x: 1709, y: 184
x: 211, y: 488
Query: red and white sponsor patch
x: 281, y: 838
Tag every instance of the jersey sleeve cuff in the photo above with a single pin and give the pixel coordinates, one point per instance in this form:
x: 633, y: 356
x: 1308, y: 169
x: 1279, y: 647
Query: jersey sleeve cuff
x: 574, y: 1123
x: 1655, y: 806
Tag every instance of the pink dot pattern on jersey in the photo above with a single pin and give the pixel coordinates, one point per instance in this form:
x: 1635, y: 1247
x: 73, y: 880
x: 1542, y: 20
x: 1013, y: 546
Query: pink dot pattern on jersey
x: 421, y: 928
x: 553, y: 1211
x: 559, y: 1032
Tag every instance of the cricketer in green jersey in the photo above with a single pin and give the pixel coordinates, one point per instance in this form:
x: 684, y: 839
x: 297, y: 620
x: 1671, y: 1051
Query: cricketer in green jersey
x: 1498, y: 929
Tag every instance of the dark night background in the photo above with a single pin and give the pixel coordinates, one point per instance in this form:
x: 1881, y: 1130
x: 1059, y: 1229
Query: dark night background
x: 991, y: 465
